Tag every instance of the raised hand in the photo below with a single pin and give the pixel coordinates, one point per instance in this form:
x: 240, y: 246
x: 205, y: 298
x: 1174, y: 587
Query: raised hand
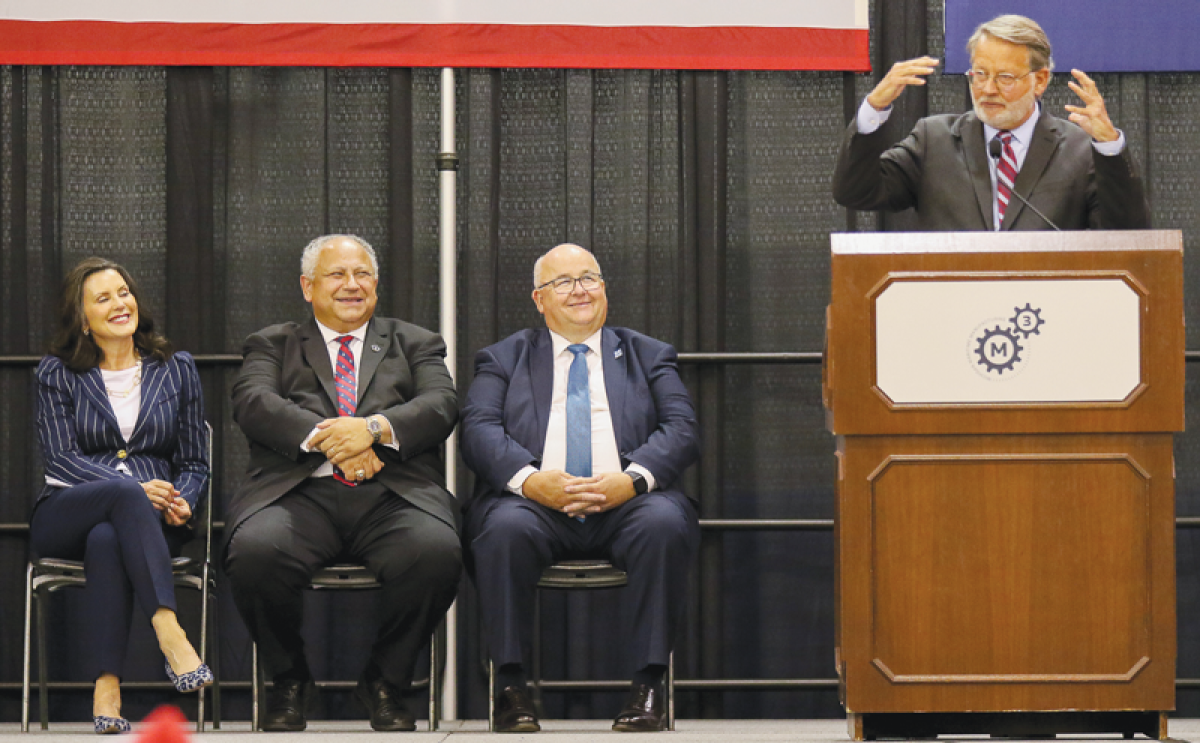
x: 1092, y: 116
x: 903, y: 74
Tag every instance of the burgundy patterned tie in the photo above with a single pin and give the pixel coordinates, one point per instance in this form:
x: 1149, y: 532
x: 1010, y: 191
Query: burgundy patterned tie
x: 1006, y: 173
x: 347, y: 391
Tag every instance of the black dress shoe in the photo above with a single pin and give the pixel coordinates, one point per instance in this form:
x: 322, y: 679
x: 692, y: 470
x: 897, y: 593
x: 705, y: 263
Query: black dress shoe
x: 514, y: 712
x: 287, y: 704
x: 382, y: 700
x: 644, y: 711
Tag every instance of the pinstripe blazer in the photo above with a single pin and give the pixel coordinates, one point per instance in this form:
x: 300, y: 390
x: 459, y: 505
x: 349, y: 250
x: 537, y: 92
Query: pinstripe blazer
x: 81, y: 441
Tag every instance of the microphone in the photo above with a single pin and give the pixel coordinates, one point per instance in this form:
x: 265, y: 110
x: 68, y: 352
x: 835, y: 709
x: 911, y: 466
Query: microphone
x: 995, y: 149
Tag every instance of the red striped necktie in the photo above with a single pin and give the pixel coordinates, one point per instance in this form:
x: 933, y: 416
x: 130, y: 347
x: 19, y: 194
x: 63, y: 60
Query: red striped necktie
x: 1006, y: 173
x: 347, y: 390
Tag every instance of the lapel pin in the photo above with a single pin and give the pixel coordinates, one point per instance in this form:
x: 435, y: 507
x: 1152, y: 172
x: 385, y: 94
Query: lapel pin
x: 618, y: 353
x: 375, y: 347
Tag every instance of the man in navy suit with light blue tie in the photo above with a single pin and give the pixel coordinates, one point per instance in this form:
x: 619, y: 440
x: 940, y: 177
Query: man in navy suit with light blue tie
x: 578, y: 435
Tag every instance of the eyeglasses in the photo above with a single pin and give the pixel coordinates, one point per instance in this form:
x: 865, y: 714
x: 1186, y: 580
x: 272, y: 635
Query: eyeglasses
x: 565, y: 284
x: 1004, y: 81
x: 340, y: 277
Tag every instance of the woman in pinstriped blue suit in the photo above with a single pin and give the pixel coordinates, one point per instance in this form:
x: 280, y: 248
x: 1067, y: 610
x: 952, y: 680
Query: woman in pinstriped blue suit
x: 120, y: 420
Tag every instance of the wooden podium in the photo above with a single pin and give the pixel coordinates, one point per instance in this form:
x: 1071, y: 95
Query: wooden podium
x: 1004, y: 406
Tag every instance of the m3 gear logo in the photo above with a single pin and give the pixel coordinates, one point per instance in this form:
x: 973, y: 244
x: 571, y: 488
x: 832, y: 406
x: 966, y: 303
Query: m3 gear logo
x: 1001, y: 345
x: 999, y: 350
x: 1027, y: 320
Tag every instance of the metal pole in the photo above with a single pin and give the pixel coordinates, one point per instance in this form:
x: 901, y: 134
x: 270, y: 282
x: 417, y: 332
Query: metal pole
x: 447, y: 222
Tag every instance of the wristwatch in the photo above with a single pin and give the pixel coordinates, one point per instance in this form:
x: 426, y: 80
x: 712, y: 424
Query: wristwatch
x: 375, y: 429
x: 639, y: 483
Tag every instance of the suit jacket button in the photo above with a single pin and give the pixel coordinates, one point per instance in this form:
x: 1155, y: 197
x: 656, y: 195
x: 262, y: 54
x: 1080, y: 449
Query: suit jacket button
x: 122, y: 454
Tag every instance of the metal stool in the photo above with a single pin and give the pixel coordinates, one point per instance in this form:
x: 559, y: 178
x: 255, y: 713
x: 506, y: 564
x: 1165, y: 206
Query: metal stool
x: 575, y: 575
x: 349, y: 577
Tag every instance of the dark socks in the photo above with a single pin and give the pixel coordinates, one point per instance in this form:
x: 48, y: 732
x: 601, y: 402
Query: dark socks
x: 510, y: 674
x: 298, y: 673
x: 651, y: 675
x: 371, y: 673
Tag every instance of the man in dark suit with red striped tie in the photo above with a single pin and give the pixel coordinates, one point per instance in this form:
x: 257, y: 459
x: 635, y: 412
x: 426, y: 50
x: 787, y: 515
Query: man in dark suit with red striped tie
x: 969, y: 171
x: 345, y: 414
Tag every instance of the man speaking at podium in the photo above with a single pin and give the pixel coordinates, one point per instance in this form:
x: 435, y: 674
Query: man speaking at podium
x: 1006, y: 165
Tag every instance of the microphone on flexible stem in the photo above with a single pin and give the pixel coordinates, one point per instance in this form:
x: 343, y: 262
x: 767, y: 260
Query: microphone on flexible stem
x: 995, y: 149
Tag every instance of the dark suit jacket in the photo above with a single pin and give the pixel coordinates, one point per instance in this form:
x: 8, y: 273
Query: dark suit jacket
x: 941, y: 170
x: 508, y: 408
x: 286, y: 387
x: 82, y: 442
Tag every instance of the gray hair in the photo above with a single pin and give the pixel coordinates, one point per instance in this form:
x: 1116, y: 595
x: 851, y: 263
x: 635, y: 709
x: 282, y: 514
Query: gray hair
x: 312, y: 254
x: 1017, y: 29
x: 537, y: 265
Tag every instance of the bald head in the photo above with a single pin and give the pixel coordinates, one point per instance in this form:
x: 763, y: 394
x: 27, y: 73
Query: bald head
x: 556, y: 252
x: 576, y: 313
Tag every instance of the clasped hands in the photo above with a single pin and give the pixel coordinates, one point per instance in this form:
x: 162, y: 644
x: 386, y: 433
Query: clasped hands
x: 346, y: 442
x: 165, y: 499
x: 578, y: 496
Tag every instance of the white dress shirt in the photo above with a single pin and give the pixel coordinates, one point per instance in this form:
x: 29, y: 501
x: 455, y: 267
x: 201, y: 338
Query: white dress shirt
x: 333, y: 346
x: 605, y: 455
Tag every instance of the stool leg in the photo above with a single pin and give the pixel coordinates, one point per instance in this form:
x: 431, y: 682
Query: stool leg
x: 435, y: 681
x: 256, y: 682
x: 43, y: 699
x: 214, y: 617
x: 671, y: 691
x: 28, y: 628
x: 203, y: 647
x: 491, y: 695
x: 535, y: 677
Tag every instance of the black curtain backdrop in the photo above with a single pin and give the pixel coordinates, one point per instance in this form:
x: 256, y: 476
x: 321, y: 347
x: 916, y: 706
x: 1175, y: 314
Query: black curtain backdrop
x: 705, y: 196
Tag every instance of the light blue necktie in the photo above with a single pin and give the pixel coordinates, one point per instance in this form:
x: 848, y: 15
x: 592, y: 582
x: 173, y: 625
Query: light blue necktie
x: 579, y: 415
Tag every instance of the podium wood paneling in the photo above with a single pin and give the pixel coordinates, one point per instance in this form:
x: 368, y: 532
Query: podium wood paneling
x: 989, y: 573
x: 1006, y: 558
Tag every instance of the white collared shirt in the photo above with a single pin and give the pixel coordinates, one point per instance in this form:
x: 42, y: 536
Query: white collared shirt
x: 606, y: 456
x: 333, y: 346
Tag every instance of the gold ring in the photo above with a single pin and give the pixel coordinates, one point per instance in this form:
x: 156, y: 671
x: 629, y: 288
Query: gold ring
x: 360, y: 474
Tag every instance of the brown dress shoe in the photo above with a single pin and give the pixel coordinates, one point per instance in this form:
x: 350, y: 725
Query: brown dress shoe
x: 382, y: 700
x: 514, y: 712
x: 644, y: 711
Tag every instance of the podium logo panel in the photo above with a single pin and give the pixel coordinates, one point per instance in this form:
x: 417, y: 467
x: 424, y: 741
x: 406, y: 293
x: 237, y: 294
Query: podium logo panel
x: 1010, y: 341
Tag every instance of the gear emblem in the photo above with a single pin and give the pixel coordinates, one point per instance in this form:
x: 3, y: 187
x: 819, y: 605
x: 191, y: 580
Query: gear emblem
x: 1027, y: 320
x: 999, y: 349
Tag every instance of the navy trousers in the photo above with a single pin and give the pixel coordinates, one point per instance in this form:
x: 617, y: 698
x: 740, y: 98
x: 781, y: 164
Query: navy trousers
x: 653, y: 538
x: 126, y: 550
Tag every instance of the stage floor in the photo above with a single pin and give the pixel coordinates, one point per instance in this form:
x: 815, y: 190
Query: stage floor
x: 561, y: 731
